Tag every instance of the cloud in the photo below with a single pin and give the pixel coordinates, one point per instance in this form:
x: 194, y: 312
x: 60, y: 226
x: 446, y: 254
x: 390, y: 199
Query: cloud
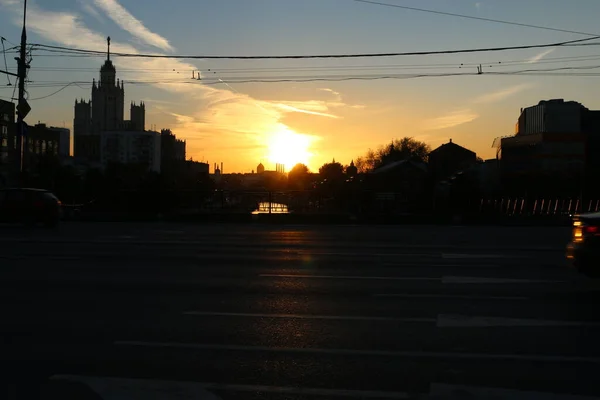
x: 90, y: 9
x: 502, y: 94
x: 216, y: 116
x: 539, y: 56
x: 128, y: 22
x: 451, y: 119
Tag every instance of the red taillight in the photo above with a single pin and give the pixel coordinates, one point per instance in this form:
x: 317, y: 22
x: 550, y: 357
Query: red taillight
x: 591, y: 229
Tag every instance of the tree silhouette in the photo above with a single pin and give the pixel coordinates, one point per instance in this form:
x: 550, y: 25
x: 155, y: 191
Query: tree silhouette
x: 406, y: 148
x: 332, y: 171
x: 298, y: 176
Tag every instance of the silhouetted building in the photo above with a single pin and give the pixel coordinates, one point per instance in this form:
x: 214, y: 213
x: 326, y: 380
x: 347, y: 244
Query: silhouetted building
x: 399, y: 186
x: 39, y: 141
x: 260, y: 169
x: 351, y: 170
x: 7, y: 130
x: 450, y: 158
x: 105, y: 113
x: 554, y: 150
x: 7, y: 140
x: 138, y: 116
x: 551, y: 116
x: 126, y: 147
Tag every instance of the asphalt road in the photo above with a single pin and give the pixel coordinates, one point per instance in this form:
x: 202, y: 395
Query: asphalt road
x: 294, y: 312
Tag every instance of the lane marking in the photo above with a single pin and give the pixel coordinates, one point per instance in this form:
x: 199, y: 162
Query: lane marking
x: 376, y: 278
x: 485, y: 256
x: 123, y: 388
x: 447, y: 391
x: 197, y: 390
x: 302, y: 316
x: 478, y: 280
x: 361, y: 394
x: 423, y: 264
x: 450, y: 296
x: 463, y: 321
x: 371, y: 353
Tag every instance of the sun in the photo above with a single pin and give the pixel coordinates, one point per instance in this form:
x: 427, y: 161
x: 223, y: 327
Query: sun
x: 289, y: 148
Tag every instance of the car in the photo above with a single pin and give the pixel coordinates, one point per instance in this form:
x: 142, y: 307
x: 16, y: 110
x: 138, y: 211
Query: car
x: 583, y: 252
x: 29, y: 206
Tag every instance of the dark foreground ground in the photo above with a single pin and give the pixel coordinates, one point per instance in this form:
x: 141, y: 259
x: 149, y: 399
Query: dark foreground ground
x: 295, y: 312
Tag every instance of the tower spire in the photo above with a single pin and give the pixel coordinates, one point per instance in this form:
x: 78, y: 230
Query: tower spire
x: 108, y: 52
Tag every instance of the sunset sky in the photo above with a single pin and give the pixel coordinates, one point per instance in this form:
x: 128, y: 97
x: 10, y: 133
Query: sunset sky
x: 241, y: 124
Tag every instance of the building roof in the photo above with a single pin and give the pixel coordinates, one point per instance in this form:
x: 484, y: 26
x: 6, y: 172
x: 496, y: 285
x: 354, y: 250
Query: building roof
x: 450, y: 145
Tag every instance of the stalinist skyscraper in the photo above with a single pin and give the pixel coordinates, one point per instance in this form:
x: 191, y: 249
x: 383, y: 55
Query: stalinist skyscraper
x: 104, y: 113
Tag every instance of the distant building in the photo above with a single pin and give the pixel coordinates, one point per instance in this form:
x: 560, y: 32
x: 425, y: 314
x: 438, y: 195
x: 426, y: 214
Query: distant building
x: 105, y: 113
x: 40, y: 141
x: 450, y: 158
x: 399, y: 186
x: 555, y: 145
x: 7, y: 140
x: 351, y: 170
x: 64, y: 144
x: 7, y: 130
x: 260, y: 169
x: 138, y: 116
x: 127, y: 147
x: 551, y: 116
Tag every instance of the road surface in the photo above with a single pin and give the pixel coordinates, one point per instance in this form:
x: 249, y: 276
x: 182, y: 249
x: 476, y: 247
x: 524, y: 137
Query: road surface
x: 297, y: 312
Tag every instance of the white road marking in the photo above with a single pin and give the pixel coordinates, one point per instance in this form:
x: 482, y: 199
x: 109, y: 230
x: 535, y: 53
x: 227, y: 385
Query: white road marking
x: 126, y: 389
x: 364, y: 353
x: 353, y: 277
x: 478, y: 280
x: 302, y: 316
x: 446, y: 391
x: 472, y: 256
x: 361, y: 394
x: 450, y: 296
x: 197, y: 390
x: 462, y: 321
x: 410, y: 263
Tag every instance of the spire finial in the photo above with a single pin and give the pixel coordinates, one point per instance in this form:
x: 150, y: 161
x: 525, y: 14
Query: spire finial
x: 108, y: 52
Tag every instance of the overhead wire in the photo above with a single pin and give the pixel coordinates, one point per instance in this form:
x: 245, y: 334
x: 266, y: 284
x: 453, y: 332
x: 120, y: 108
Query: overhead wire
x: 473, y: 17
x: 319, y: 56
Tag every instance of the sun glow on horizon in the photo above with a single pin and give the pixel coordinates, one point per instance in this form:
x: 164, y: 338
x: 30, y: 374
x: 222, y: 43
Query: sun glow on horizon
x: 289, y: 148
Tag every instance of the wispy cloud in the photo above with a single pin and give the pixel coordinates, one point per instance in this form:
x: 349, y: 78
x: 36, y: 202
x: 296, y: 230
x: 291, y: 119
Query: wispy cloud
x: 502, y: 93
x: 220, y: 116
x: 87, y: 6
x: 128, y: 22
x: 451, y: 119
x: 539, y: 56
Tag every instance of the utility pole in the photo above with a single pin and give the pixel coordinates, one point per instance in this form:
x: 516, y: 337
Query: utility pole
x: 22, y: 106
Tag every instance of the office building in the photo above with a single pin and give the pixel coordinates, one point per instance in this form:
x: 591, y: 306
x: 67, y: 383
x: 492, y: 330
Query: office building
x: 130, y: 147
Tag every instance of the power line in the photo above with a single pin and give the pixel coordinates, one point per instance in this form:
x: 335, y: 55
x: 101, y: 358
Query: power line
x: 329, y: 78
x: 56, y: 92
x: 341, y: 68
x: 321, y: 56
x: 498, y: 21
